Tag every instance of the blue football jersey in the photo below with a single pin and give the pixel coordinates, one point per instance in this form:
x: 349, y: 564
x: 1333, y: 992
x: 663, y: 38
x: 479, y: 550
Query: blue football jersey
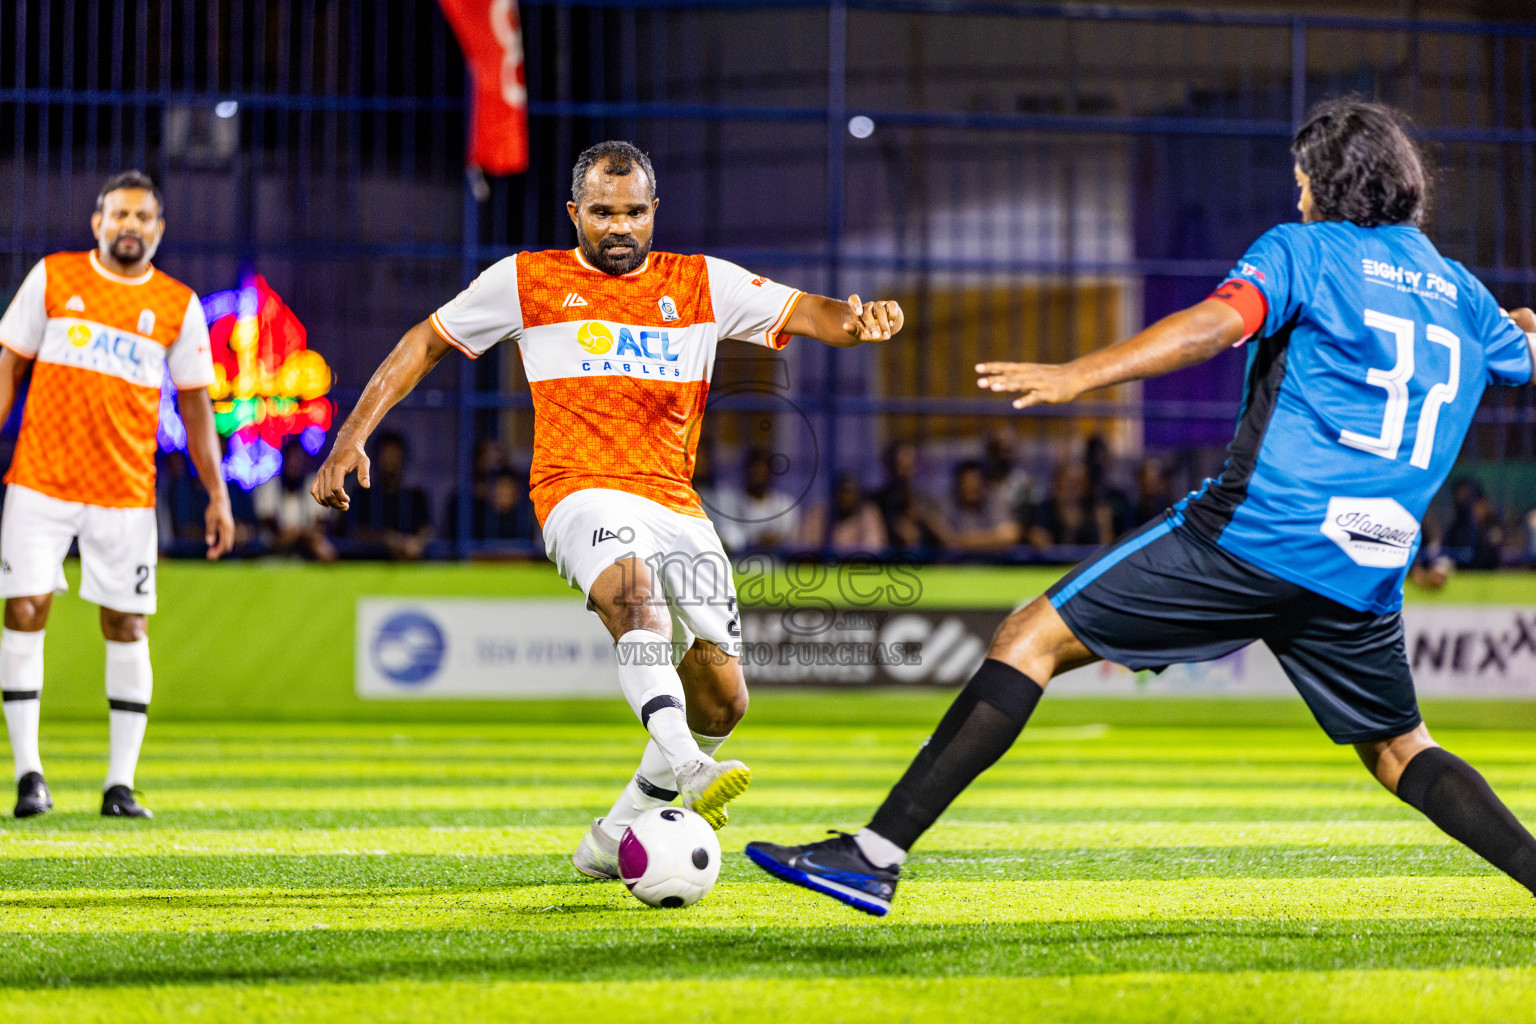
x: 1361, y: 384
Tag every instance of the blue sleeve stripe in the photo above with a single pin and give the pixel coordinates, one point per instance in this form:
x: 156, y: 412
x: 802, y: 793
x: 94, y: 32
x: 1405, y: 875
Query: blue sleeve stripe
x: 1114, y: 557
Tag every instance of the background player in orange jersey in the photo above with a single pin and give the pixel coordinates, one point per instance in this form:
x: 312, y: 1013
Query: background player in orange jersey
x: 99, y: 330
x: 619, y: 343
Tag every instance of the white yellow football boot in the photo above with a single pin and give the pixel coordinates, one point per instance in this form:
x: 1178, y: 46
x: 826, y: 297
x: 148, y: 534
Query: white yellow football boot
x: 597, y: 855
x: 707, y: 786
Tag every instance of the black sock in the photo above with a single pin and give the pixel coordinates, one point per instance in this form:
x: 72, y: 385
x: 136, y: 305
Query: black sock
x: 1454, y: 796
x: 978, y: 728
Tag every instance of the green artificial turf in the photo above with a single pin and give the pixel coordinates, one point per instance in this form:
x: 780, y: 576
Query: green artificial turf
x: 419, y: 872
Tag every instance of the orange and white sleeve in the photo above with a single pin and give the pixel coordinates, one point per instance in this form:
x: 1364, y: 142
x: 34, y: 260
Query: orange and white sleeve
x: 749, y: 307
x: 21, y: 328
x: 190, y: 359
x: 484, y: 314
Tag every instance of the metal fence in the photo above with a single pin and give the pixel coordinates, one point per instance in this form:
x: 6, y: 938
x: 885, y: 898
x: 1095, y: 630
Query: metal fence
x: 1033, y: 180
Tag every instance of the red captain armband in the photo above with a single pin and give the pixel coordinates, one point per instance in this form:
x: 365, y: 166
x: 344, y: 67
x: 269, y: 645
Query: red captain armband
x: 1247, y: 300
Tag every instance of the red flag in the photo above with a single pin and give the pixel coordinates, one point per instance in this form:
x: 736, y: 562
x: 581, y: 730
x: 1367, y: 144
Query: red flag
x: 492, y: 38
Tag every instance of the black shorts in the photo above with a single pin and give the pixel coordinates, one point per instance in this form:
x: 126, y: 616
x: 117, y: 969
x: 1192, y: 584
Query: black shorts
x: 1166, y: 594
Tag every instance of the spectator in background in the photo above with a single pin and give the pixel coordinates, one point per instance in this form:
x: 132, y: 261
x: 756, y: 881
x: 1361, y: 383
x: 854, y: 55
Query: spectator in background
x: 1072, y: 515
x: 979, y: 518
x: 178, y: 503
x: 759, y: 515
x: 1103, y: 494
x: 506, y: 514
x: 1010, y: 485
x: 1154, y: 493
x: 290, y: 520
x: 488, y: 462
x: 389, y: 519
x: 1475, y: 536
x: 854, y: 526
x: 911, y: 524
x: 179, y: 507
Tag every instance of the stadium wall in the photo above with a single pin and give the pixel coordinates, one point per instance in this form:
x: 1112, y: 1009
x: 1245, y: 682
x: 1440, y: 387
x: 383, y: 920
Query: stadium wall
x: 277, y: 641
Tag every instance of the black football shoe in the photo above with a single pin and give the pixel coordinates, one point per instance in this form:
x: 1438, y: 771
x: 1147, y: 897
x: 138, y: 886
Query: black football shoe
x: 835, y: 867
x: 32, y: 796
x: 118, y: 802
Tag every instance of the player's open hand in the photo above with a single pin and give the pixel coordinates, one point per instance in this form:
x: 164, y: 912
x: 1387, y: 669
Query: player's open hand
x: 328, y: 488
x: 1036, y: 383
x: 218, y: 528
x: 873, y: 321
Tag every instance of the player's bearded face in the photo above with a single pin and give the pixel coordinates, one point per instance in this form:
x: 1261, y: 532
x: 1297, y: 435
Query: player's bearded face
x: 615, y: 222
x: 616, y: 254
x: 128, y: 247
x: 129, y: 225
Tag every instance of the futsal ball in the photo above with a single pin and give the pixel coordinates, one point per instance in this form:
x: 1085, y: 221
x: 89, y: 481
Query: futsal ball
x: 669, y: 857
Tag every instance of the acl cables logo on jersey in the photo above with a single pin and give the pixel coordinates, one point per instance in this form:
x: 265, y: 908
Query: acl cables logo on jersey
x: 129, y: 356
x: 1374, y: 532
x: 640, y: 343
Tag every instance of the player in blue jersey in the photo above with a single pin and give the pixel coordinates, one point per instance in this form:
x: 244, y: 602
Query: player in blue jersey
x: 1367, y: 354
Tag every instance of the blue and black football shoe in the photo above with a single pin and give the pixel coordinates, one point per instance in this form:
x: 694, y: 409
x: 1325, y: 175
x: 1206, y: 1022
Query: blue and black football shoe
x: 836, y: 867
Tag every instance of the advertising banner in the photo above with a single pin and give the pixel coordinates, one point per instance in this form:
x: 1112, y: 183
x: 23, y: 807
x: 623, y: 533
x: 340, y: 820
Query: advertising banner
x: 492, y: 648
x: 483, y: 648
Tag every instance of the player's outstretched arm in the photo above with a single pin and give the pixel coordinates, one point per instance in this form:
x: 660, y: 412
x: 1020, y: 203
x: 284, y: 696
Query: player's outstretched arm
x: 207, y: 455
x: 412, y: 359
x: 1183, y: 339
x: 844, y: 324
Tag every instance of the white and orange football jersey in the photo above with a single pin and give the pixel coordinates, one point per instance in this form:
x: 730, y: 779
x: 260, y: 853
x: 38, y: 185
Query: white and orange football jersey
x: 619, y: 367
x: 102, y: 344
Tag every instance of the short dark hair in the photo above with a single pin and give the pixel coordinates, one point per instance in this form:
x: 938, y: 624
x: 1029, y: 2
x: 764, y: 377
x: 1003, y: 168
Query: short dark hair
x: 1363, y: 166
x: 130, y: 179
x: 617, y: 158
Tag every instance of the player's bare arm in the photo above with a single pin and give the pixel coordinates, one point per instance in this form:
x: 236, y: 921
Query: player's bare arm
x: 203, y: 445
x: 845, y: 324
x: 1185, y: 338
x: 13, y: 368
x: 412, y: 359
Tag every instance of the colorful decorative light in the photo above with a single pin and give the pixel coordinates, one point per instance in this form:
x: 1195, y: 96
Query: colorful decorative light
x: 268, y: 385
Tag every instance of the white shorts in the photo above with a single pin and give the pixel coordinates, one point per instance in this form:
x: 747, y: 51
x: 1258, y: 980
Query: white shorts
x: 590, y: 530
x: 118, y: 550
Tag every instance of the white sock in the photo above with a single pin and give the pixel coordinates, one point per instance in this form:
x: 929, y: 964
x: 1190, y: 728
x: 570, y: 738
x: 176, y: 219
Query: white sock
x: 709, y: 744
x: 130, y: 683
x: 655, y: 692
x: 21, y: 672
x: 652, y: 786
x: 878, y: 850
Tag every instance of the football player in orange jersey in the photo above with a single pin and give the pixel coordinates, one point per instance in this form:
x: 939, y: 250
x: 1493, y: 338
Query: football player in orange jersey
x: 99, y: 331
x: 619, y: 343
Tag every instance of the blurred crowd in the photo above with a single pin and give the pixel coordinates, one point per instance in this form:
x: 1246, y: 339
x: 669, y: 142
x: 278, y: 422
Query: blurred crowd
x: 988, y: 506
x: 984, y: 508
x: 392, y: 519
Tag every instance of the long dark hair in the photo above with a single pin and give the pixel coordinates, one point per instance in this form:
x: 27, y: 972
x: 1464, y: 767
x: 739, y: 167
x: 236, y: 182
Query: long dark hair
x: 1363, y: 166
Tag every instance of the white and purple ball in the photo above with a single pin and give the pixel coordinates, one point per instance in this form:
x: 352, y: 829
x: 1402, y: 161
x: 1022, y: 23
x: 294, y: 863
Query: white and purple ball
x: 669, y: 857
